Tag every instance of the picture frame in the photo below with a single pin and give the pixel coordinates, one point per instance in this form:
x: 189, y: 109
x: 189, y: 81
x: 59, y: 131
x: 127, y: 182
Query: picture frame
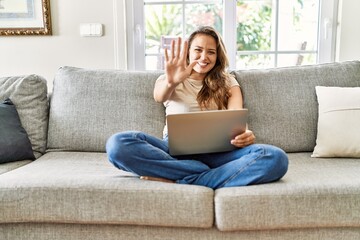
x: 25, y: 17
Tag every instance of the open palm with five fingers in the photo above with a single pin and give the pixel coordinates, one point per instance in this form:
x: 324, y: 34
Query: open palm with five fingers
x: 176, y: 67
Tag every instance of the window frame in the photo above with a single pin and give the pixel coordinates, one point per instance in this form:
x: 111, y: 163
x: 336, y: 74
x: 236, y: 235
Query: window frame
x: 326, y: 39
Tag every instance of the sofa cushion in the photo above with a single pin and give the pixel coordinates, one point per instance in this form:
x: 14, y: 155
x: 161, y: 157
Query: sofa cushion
x: 47, y: 231
x: 6, y: 167
x: 282, y: 103
x: 88, y: 106
x: 29, y: 95
x: 14, y: 141
x: 75, y: 187
x: 313, y: 194
x: 338, y: 133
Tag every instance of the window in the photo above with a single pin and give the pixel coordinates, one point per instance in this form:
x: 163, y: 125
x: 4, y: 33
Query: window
x: 257, y: 33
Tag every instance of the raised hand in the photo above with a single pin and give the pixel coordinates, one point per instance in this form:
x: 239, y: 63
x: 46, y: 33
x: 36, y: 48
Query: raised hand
x: 176, y: 67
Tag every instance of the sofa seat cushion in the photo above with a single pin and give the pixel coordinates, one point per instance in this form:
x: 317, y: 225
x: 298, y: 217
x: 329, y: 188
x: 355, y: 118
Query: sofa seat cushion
x: 6, y: 167
x: 41, y: 231
x: 313, y: 194
x: 74, y: 187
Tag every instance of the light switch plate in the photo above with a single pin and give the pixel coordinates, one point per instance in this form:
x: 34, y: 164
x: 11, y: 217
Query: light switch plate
x: 91, y: 30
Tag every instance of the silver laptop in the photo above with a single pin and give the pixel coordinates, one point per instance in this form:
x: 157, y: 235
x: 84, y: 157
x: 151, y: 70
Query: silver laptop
x: 205, y: 131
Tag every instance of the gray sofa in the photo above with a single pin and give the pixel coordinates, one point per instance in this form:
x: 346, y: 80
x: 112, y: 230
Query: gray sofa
x: 71, y: 191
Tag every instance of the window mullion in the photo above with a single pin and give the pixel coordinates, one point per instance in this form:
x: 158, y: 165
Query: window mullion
x: 183, y: 20
x: 135, y: 34
x: 276, y: 32
x: 327, y: 30
x: 229, y: 31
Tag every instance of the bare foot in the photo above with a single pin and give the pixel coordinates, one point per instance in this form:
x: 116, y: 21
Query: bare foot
x: 156, y: 179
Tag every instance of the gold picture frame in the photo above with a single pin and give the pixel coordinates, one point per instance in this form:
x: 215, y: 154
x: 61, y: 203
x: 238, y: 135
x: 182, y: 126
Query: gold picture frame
x: 25, y: 17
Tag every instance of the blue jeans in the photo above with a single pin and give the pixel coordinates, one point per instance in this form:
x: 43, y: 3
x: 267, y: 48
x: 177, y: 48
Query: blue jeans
x: 146, y: 155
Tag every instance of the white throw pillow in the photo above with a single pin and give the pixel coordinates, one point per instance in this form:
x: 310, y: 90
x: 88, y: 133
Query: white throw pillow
x: 338, y: 133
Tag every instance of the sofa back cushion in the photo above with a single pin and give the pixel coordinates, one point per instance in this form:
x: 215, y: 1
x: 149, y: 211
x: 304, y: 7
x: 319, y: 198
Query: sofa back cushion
x: 283, y: 108
x: 88, y: 106
x: 29, y: 95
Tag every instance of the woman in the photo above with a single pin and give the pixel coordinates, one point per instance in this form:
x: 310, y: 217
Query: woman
x: 195, y: 79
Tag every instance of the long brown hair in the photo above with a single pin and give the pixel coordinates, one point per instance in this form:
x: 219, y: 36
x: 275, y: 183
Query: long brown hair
x: 215, y: 87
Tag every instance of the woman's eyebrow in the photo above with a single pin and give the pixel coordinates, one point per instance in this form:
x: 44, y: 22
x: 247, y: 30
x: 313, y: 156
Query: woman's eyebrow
x: 210, y: 49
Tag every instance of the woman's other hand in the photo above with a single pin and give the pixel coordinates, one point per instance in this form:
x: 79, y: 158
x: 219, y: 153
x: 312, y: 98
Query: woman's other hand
x: 244, y: 139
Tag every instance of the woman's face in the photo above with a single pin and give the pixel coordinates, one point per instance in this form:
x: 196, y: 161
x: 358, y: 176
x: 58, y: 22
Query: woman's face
x: 203, y: 51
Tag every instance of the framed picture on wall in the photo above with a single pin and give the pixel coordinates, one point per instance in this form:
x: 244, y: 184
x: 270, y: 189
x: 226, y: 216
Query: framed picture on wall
x: 25, y: 17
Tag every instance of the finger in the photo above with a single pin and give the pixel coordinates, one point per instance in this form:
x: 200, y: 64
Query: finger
x: 183, y: 55
x: 243, y: 141
x: 237, y: 144
x: 178, y: 47
x: 166, y: 55
x: 241, y: 144
x: 249, y: 138
x: 172, y: 48
x: 244, y: 135
x: 191, y: 66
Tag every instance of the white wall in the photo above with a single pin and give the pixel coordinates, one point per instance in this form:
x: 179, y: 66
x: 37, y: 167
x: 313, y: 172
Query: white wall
x: 43, y: 55
x: 348, y: 45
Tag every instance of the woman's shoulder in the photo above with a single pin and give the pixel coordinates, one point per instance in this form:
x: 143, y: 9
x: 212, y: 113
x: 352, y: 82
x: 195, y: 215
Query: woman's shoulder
x: 161, y: 78
x: 232, y: 81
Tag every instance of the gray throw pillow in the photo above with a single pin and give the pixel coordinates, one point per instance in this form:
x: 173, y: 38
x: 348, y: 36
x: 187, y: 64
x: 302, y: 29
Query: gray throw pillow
x: 29, y: 95
x: 14, y: 142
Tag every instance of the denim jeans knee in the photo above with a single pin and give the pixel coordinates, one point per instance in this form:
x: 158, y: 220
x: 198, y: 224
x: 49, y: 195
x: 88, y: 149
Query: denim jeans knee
x: 116, y: 148
x: 278, y: 166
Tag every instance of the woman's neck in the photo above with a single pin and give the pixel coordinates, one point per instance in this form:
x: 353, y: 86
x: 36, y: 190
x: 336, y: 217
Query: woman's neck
x: 197, y: 76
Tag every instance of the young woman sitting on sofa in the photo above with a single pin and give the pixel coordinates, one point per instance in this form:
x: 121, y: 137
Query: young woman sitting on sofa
x: 197, y: 76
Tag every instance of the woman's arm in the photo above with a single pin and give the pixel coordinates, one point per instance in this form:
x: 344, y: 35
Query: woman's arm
x: 163, y: 90
x: 236, y: 102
